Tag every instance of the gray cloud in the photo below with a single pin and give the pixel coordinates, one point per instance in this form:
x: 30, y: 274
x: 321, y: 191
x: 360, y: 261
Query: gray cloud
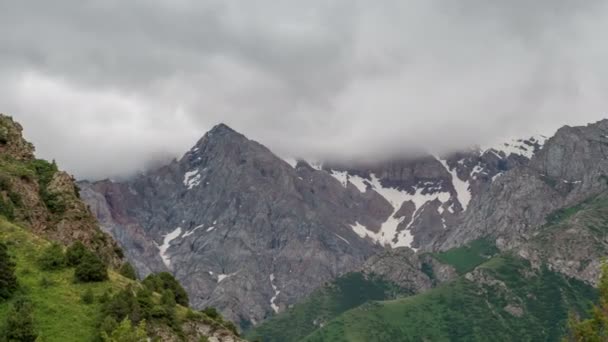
x: 107, y: 88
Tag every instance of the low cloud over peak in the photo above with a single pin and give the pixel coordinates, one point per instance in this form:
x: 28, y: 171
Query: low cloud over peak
x: 108, y: 88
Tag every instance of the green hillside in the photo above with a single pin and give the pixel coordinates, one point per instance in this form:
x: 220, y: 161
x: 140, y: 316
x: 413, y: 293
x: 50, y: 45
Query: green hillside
x: 344, y: 293
x: 506, y: 301
x: 61, y: 312
x: 464, y: 259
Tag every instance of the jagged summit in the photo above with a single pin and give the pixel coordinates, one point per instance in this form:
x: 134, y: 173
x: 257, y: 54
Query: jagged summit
x: 222, y: 128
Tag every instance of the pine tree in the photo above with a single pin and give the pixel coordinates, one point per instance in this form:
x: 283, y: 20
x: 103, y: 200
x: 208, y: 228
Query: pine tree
x: 8, y: 280
x: 594, y: 329
x: 20, y: 322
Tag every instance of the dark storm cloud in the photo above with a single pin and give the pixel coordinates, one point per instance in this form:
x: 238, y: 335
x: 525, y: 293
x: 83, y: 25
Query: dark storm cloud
x: 109, y: 87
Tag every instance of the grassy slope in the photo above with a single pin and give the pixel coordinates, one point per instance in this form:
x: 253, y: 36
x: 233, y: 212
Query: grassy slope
x: 467, y: 311
x: 323, y: 305
x: 464, y: 259
x: 59, y: 312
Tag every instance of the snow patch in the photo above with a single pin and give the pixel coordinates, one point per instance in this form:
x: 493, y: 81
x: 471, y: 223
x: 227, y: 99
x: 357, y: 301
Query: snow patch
x: 210, y: 228
x: 341, y: 176
x: 221, y: 277
x: 518, y: 146
x: 166, y: 244
x: 388, y: 234
x: 341, y: 238
x: 291, y: 161
x: 463, y: 191
x: 273, y: 305
x: 192, y: 179
x: 344, y: 178
x: 188, y: 233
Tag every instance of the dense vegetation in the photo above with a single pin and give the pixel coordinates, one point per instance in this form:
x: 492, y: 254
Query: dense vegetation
x: 596, y: 327
x: 343, y: 294
x: 514, y: 303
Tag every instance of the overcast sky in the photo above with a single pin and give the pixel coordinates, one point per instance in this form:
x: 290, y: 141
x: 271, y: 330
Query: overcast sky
x: 109, y: 87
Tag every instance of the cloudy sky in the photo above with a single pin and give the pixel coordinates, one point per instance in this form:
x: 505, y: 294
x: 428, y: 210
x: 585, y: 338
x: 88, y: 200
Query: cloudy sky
x: 110, y: 87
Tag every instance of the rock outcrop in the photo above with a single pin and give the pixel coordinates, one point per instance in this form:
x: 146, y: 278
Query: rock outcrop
x: 38, y: 196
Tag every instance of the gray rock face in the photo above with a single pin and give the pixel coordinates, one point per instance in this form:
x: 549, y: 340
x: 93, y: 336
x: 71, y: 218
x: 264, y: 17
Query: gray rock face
x: 240, y: 228
x: 570, y: 167
x: 400, y: 266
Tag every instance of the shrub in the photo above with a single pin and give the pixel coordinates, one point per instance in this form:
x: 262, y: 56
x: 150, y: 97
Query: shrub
x: 88, y: 297
x: 212, y: 313
x: 52, y: 258
x: 20, y: 322
x: 8, y: 280
x: 165, y: 281
x: 108, y: 325
x: 75, y: 253
x: 91, y: 269
x: 126, y: 332
x: 128, y: 271
x: 45, y: 172
x: 7, y: 209
x: 145, y: 302
x: 121, y: 305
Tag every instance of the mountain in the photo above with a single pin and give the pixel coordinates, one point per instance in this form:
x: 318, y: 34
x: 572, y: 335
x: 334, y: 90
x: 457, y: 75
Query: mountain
x: 571, y: 167
x: 252, y: 234
x: 242, y: 229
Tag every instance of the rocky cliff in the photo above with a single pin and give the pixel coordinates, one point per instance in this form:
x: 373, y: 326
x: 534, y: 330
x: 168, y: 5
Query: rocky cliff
x: 37, y: 195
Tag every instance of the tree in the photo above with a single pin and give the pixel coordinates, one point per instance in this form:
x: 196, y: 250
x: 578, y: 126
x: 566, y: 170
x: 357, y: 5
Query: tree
x: 8, y: 280
x: 165, y: 281
x: 126, y: 332
x: 20, y: 322
x: 75, y: 253
x: 52, y: 258
x: 91, y: 269
x: 128, y: 271
x: 596, y: 327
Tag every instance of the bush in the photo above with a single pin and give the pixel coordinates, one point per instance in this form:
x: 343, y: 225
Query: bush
x: 126, y: 270
x: 165, y: 281
x: 126, y: 332
x: 8, y: 280
x: 45, y: 172
x: 212, y: 313
x: 108, y: 325
x: 75, y: 253
x: 121, y: 305
x: 7, y: 209
x: 145, y: 302
x: 20, y: 322
x: 91, y: 269
x: 52, y: 258
x: 88, y: 297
